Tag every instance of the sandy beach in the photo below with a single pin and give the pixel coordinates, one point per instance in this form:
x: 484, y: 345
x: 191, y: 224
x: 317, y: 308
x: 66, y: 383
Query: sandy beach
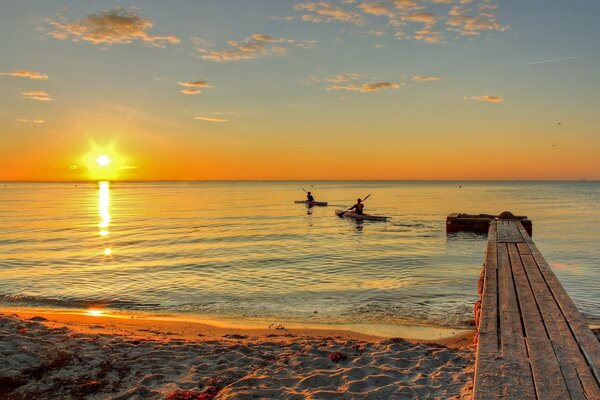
x: 53, y: 354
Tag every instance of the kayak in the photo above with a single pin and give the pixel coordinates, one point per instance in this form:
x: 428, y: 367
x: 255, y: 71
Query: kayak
x: 352, y: 214
x: 312, y: 203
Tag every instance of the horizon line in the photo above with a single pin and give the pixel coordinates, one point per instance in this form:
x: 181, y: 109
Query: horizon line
x: 299, y: 180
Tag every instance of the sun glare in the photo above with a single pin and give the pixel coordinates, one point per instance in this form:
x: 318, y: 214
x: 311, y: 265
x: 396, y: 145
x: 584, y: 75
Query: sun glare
x: 103, y: 160
x: 105, y: 163
x: 94, y: 312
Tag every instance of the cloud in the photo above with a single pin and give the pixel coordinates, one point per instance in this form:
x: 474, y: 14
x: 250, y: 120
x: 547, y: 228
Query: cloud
x: 467, y: 25
x: 211, y: 119
x: 116, y: 26
x: 550, y: 61
x: 428, y: 35
x: 365, y: 87
x: 375, y: 8
x: 26, y: 74
x: 486, y: 98
x: 194, y: 84
x: 190, y: 91
x: 193, y: 87
x: 37, y: 95
x: 35, y: 121
x: 322, y: 11
x: 423, y: 17
x: 251, y: 47
x: 422, y: 78
x: 406, y: 4
x: 462, y: 18
x: 341, y: 78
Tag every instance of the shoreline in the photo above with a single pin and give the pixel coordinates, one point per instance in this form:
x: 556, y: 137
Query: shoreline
x: 152, y: 325
x: 61, y: 355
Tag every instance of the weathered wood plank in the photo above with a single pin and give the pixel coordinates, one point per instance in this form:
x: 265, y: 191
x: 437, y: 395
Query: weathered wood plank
x: 577, y: 374
x: 487, y: 378
x: 518, y: 378
x: 547, y: 376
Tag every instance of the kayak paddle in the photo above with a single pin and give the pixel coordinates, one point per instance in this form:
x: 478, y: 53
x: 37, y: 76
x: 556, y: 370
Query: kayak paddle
x: 341, y: 215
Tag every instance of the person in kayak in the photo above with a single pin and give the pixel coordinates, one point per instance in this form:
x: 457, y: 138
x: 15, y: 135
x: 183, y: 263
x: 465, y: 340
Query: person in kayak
x: 309, y: 197
x: 358, y: 207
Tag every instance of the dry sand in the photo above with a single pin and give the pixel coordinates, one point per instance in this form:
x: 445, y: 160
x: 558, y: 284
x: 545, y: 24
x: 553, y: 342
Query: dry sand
x: 50, y: 355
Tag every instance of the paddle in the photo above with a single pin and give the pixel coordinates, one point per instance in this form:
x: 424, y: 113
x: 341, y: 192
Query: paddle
x: 341, y: 215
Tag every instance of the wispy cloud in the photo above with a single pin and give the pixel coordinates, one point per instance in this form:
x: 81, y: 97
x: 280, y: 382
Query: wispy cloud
x: 486, y: 98
x: 190, y: 91
x: 26, y: 74
x: 116, y: 26
x: 342, y: 78
x: 251, y: 47
x: 550, y: 61
x: 422, y: 78
x: 193, y: 87
x: 323, y: 11
x: 37, y: 95
x: 467, y: 25
x: 34, y: 121
x: 211, y: 119
x: 365, y: 87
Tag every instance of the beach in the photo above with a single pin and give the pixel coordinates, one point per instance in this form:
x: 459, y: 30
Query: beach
x: 55, y: 354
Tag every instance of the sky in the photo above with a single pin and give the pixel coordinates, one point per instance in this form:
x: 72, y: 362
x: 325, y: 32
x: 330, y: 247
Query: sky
x: 281, y: 89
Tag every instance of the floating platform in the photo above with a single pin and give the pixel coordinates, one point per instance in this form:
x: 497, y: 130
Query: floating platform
x: 480, y: 223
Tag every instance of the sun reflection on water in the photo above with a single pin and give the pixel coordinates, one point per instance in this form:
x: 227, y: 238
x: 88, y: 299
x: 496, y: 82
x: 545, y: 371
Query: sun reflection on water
x: 103, y: 207
x: 94, y: 312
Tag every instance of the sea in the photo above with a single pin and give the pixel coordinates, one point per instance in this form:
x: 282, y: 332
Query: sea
x: 242, y: 252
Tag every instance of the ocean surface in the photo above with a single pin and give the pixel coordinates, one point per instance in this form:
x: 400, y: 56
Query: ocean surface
x: 243, y: 251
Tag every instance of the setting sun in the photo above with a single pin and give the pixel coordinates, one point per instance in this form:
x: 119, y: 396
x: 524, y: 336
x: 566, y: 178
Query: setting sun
x: 103, y: 160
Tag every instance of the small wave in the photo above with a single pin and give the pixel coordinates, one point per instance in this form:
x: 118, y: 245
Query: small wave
x: 35, y: 301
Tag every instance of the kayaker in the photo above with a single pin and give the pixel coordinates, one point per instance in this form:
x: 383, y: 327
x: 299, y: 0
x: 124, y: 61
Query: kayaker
x: 309, y: 197
x: 358, y: 207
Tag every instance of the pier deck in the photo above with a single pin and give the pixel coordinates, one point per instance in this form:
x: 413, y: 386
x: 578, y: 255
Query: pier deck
x: 532, y: 341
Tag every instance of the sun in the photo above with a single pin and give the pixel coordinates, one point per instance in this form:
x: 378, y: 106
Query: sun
x: 103, y: 160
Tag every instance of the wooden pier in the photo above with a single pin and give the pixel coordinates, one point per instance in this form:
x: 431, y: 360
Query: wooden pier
x: 532, y: 341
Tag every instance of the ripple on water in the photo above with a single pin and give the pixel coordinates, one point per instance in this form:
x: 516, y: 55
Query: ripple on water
x: 244, y: 249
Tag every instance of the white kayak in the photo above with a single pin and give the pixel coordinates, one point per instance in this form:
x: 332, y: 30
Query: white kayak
x: 352, y: 214
x: 311, y: 203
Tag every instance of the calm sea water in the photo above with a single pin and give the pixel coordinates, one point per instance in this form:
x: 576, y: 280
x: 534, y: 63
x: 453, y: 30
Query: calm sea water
x: 245, y: 251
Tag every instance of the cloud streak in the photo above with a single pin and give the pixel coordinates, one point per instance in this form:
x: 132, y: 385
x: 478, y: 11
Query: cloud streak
x: 488, y: 99
x: 26, y: 74
x: 37, y: 95
x: 550, y: 61
x: 422, y: 78
x: 116, y: 26
x: 211, y: 119
x: 193, y: 87
x: 365, y: 87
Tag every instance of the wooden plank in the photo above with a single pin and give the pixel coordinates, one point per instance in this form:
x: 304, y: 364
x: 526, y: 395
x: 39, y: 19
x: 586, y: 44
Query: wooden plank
x: 487, y: 379
x: 523, y: 248
x: 518, y: 378
x: 577, y: 374
x: 508, y: 232
x: 586, y: 341
x: 547, y: 376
